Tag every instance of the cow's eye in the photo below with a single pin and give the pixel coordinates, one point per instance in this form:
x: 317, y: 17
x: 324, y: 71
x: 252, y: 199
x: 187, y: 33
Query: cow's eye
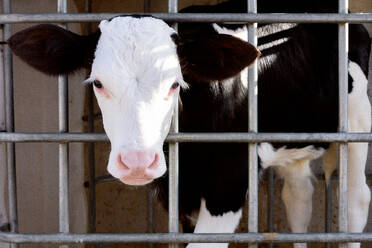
x: 172, y: 89
x: 97, y: 84
x: 175, y: 85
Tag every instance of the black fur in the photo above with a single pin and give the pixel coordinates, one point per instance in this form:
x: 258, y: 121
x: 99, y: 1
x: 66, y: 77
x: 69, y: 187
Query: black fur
x: 54, y: 50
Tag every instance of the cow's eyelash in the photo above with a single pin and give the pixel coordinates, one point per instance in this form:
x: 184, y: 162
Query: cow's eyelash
x: 96, y: 83
x: 88, y: 81
x: 183, y: 84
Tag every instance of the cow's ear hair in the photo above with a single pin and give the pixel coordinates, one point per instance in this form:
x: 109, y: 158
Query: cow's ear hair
x: 54, y: 50
x: 214, y: 57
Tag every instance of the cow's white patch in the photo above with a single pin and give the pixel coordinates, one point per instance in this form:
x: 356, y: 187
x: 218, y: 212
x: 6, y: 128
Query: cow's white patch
x: 273, y: 30
x: 283, y: 157
x: 137, y: 63
x: 359, y: 114
x: 297, y: 195
x: 267, y: 30
x: 207, y: 223
x: 359, y: 110
x: 241, y: 33
x: 293, y: 165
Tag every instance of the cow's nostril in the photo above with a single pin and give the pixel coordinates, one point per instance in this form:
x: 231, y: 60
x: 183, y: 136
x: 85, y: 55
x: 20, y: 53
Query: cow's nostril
x: 154, y: 164
x: 121, y: 164
x: 138, y: 159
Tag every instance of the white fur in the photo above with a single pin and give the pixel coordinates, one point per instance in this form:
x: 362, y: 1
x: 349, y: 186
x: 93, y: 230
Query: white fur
x: 267, y: 30
x: 297, y: 195
x: 137, y: 62
x: 359, y: 112
x: 207, y: 223
x: 359, y: 120
x: 293, y: 166
x: 283, y: 157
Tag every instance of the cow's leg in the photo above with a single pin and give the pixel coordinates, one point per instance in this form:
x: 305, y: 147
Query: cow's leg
x: 359, y: 121
x: 330, y: 159
x: 359, y: 194
x: 297, y: 195
x: 208, y: 223
x: 293, y: 165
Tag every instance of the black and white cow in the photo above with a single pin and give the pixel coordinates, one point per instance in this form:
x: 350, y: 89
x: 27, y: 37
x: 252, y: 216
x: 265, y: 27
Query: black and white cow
x: 140, y: 66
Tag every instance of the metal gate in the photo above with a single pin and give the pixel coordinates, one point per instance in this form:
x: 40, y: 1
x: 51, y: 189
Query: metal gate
x: 63, y: 137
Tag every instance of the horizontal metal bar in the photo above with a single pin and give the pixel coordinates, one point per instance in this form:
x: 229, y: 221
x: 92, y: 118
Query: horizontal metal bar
x: 105, y: 179
x: 196, y: 17
x: 195, y: 137
x: 318, y: 176
x: 186, y: 238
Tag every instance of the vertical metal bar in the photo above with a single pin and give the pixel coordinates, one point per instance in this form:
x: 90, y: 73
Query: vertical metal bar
x: 91, y: 163
x: 2, y: 85
x: 173, y: 158
x: 64, y: 222
x: 343, y: 36
x: 329, y: 208
x: 270, y: 215
x: 252, y: 127
x: 147, y: 6
x: 9, y: 109
x: 4, y: 219
x: 150, y: 214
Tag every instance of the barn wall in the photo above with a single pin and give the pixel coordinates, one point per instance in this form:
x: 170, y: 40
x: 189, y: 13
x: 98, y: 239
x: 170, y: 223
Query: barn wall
x: 36, y: 110
x: 120, y: 208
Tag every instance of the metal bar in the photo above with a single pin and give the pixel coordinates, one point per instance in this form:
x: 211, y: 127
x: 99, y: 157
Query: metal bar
x: 271, y: 202
x: 252, y: 128
x: 187, y: 238
x: 147, y: 6
x: 4, y: 218
x: 173, y: 159
x: 195, y: 17
x: 91, y: 154
x: 195, y: 137
x: 343, y: 43
x: 2, y: 85
x: 319, y: 177
x: 9, y: 109
x: 64, y: 216
x: 328, y: 222
x: 150, y: 213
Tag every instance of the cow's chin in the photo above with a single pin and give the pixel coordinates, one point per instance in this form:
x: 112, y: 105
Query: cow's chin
x: 136, y: 181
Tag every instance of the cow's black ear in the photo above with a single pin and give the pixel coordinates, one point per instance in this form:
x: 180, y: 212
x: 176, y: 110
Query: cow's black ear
x: 214, y: 57
x: 54, y: 50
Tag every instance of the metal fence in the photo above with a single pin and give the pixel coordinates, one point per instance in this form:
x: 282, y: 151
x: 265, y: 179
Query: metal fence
x: 173, y: 237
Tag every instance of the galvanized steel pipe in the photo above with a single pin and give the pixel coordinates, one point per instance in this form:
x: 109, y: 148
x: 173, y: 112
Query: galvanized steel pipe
x: 63, y: 238
x: 194, y: 17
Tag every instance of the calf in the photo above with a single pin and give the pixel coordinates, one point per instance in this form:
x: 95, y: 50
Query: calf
x: 139, y: 64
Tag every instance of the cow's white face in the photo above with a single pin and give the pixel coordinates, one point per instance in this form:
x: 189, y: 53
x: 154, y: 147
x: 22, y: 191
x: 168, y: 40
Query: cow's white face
x: 138, y: 74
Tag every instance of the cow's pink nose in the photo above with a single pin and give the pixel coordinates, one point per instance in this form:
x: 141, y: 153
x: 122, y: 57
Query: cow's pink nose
x: 137, y: 166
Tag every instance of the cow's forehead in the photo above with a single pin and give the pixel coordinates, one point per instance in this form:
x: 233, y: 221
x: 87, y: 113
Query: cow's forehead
x: 129, y: 47
x: 126, y: 26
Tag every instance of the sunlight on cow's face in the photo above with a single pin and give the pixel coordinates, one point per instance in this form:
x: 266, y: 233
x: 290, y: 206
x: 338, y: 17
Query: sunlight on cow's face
x: 137, y: 74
